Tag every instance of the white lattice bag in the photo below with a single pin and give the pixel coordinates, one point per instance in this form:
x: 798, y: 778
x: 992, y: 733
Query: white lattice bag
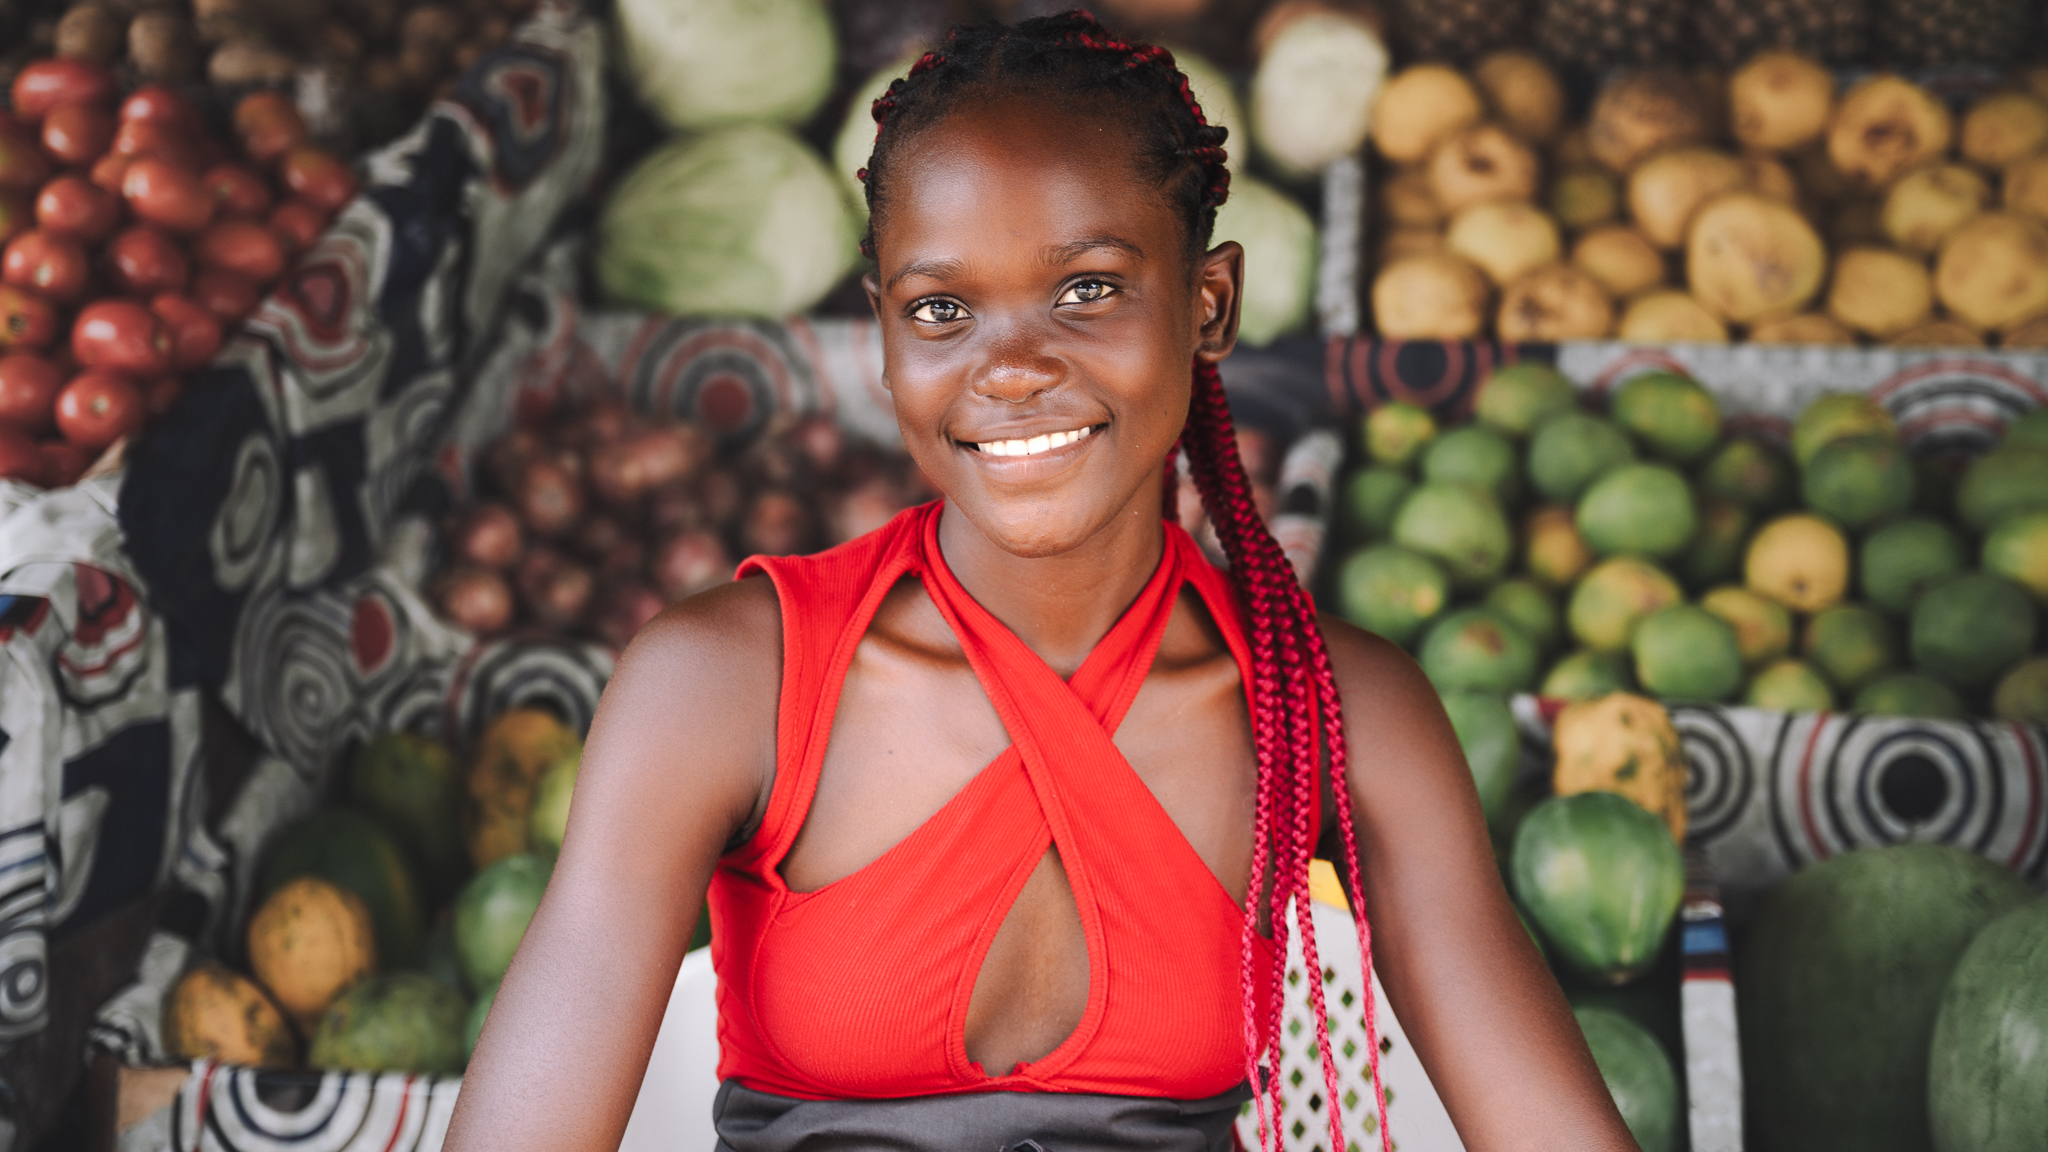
x: 1414, y: 1113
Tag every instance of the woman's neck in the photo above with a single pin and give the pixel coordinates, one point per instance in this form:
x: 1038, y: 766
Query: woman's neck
x: 1059, y: 606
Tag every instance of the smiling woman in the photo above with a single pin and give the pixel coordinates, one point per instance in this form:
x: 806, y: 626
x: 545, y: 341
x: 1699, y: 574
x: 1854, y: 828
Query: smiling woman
x: 1000, y: 807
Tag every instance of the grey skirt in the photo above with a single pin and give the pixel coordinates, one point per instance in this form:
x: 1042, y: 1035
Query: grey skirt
x: 750, y: 1121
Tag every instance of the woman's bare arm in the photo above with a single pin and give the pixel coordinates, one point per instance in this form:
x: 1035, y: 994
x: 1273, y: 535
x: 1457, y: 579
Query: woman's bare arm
x: 1485, y: 1016
x: 678, y: 758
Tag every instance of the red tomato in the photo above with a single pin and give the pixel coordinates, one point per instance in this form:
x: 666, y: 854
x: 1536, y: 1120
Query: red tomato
x: 120, y: 336
x: 319, y: 177
x: 26, y: 319
x: 77, y: 135
x: 63, y: 463
x: 23, y: 167
x: 15, y: 216
x: 298, y: 223
x: 228, y: 295
x: 20, y: 459
x: 269, y: 125
x: 166, y: 142
x: 195, y: 334
x: 44, y: 84
x: 242, y: 246
x: 238, y: 191
x: 142, y: 261
x: 73, y: 206
x: 107, y: 172
x: 161, y: 193
x: 158, y: 103
x: 98, y: 408
x: 53, y: 265
x: 28, y: 391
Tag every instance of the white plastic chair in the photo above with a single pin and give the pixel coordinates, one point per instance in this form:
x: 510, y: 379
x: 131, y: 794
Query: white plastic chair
x: 1414, y: 1111
x: 673, y: 1113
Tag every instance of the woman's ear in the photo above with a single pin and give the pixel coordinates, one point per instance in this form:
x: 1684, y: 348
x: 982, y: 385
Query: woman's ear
x: 1219, y: 287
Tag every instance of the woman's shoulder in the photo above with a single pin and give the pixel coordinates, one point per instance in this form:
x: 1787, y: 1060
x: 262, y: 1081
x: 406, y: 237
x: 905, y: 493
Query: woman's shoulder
x: 1364, y: 663
x: 721, y: 634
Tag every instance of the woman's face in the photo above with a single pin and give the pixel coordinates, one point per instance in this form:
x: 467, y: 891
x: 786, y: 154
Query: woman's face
x: 1039, y: 319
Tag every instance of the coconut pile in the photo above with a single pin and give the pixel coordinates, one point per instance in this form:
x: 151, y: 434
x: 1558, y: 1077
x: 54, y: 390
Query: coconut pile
x: 1771, y: 205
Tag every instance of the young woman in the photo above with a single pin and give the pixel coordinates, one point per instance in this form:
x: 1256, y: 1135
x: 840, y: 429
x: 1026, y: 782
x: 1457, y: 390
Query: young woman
x: 999, y: 806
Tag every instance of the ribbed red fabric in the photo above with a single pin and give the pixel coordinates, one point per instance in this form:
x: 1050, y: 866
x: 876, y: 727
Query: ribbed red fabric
x: 860, y: 989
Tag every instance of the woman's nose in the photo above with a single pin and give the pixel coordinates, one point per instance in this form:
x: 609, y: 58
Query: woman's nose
x: 1018, y: 369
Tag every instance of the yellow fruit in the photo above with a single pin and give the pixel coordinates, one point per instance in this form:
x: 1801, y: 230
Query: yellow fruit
x: 1583, y: 196
x: 1645, y: 111
x: 1624, y: 744
x: 1670, y: 316
x: 1418, y: 108
x: 1555, y: 302
x: 1751, y: 258
x: 1667, y: 189
x: 1429, y: 296
x: 1505, y: 239
x: 1929, y: 203
x: 1805, y: 328
x: 2004, y: 127
x: 1407, y: 201
x: 1763, y: 629
x: 2026, y: 187
x: 1993, y: 271
x: 1557, y: 554
x: 1768, y: 176
x: 217, y: 1014
x: 308, y: 943
x: 1523, y: 91
x: 510, y: 757
x: 1885, y: 127
x: 1483, y: 163
x: 1800, y: 561
x: 1880, y: 291
x: 1779, y: 101
x: 1622, y: 259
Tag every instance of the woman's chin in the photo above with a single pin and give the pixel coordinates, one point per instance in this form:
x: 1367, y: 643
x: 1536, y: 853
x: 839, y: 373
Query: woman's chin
x: 1037, y: 529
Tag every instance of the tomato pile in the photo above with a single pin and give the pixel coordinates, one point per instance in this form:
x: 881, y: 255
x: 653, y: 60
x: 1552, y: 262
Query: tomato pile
x: 134, y: 241
x: 591, y: 522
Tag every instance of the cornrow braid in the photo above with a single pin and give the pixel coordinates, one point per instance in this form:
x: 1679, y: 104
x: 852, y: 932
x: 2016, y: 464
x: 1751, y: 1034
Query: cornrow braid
x: 1297, y: 719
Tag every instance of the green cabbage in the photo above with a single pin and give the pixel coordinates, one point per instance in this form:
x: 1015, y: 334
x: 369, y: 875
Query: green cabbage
x: 1279, y: 258
x: 743, y: 221
x: 706, y: 63
x: 1313, y: 93
x: 856, y: 140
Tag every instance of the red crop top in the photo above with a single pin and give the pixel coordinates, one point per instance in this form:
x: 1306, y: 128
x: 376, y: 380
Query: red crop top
x: 859, y: 990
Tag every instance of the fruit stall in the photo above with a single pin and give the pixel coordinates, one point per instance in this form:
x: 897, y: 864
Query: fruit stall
x: 1669, y: 377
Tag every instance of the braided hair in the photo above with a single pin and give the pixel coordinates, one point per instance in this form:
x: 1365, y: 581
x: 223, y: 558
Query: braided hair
x: 1297, y: 723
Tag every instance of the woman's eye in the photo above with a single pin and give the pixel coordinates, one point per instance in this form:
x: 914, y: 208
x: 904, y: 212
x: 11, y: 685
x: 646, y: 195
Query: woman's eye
x: 938, y: 312
x: 1087, y: 292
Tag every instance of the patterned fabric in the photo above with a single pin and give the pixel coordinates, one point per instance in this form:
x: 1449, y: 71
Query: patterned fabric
x: 1457, y: 29
x: 1608, y: 33
x: 1921, y: 32
x: 1836, y: 31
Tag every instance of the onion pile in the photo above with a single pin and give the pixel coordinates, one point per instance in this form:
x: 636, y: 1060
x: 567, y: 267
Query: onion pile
x: 590, y: 524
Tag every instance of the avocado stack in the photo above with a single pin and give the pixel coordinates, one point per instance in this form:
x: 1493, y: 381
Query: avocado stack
x: 1556, y: 548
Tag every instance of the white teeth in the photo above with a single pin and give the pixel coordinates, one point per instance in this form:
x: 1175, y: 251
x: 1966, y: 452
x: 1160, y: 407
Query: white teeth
x: 1034, y: 445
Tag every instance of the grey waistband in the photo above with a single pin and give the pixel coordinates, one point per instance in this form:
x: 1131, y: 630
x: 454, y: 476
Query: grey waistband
x: 750, y: 1121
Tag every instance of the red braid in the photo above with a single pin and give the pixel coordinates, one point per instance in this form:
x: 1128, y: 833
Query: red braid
x: 1297, y: 728
x: 1297, y: 718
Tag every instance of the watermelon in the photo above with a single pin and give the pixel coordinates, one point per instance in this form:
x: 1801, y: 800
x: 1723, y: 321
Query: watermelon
x: 354, y: 851
x: 1602, y: 878
x: 492, y: 913
x: 1638, y: 1074
x: 414, y: 785
x: 1987, y: 1071
x: 1838, y: 980
x: 403, y: 1022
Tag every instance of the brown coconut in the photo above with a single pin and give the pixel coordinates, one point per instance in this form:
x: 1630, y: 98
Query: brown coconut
x: 2004, y: 127
x: 1523, y: 91
x: 1644, y: 111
